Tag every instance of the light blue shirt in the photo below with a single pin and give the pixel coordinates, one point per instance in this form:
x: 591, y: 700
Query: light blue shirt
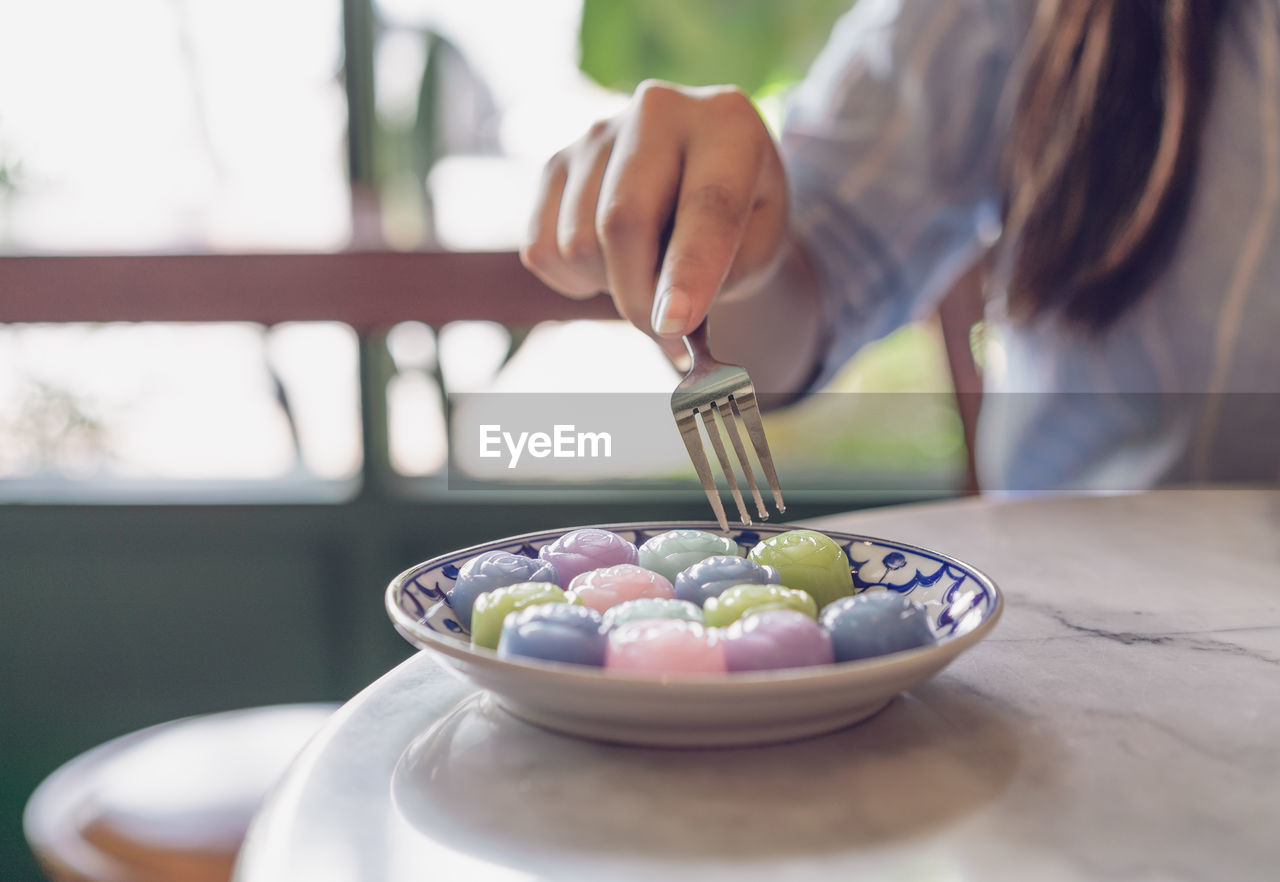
x: 893, y: 145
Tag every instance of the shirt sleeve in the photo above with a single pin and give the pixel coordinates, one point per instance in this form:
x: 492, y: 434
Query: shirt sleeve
x: 892, y: 148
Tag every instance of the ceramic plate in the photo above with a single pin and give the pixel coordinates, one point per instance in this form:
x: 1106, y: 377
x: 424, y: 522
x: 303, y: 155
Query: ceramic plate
x: 704, y: 710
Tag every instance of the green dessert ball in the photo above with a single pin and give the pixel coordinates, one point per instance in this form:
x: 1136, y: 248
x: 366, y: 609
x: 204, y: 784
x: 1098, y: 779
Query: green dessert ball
x: 809, y: 561
x: 492, y: 607
x: 674, y: 551
x: 741, y: 600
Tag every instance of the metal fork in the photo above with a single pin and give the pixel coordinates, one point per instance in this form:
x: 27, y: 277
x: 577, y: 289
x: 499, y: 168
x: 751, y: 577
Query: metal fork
x: 712, y: 387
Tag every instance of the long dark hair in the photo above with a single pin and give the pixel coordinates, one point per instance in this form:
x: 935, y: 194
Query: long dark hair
x: 1103, y: 150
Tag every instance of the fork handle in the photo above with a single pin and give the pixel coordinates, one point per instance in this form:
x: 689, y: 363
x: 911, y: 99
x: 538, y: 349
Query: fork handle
x: 696, y: 341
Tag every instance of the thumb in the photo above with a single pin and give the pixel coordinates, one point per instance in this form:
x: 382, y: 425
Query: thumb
x: 694, y: 268
x: 710, y: 222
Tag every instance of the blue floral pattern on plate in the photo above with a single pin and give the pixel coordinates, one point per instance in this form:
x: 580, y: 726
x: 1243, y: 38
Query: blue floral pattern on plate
x: 958, y: 598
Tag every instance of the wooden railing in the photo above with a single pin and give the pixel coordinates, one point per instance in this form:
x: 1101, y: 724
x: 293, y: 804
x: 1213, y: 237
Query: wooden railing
x: 367, y: 290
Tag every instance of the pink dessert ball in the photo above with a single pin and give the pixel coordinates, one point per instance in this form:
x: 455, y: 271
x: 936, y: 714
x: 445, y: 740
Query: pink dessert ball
x: 581, y: 550
x: 603, y: 588
x: 665, y: 646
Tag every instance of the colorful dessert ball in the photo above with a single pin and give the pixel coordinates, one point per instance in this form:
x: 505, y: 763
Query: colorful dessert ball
x: 740, y: 600
x: 876, y: 623
x: 665, y: 646
x: 492, y: 607
x: 672, y: 552
x: 558, y: 632
x: 708, y: 578
x: 494, y: 569
x: 610, y: 586
x: 581, y: 550
x: 807, y: 560
x: 643, y: 608
x: 775, y: 638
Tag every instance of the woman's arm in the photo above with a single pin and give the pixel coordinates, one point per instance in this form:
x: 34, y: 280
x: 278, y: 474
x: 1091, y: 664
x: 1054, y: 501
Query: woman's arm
x: 776, y: 329
x: 891, y: 144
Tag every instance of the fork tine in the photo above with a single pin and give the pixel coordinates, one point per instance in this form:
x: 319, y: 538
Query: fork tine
x: 688, y: 426
x: 709, y: 421
x: 745, y: 401
x: 730, y: 423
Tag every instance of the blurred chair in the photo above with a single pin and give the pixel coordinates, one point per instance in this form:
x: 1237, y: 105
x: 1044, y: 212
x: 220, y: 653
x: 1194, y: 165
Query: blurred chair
x: 170, y: 803
x: 958, y: 312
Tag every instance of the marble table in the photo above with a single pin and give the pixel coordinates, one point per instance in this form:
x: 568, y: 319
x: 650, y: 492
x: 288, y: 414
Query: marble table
x: 1122, y: 722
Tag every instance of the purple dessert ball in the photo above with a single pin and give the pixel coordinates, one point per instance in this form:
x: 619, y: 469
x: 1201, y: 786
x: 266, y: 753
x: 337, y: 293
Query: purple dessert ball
x: 578, y: 551
x: 709, y: 578
x: 876, y: 623
x: 494, y: 569
x: 776, y: 638
x: 558, y: 632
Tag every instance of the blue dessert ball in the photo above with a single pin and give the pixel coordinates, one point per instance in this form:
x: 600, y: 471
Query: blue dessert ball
x: 709, y: 578
x: 876, y: 623
x: 559, y: 632
x: 494, y: 569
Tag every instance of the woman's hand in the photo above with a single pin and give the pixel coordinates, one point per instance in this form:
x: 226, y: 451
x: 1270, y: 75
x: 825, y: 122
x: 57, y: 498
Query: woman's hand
x: 676, y: 201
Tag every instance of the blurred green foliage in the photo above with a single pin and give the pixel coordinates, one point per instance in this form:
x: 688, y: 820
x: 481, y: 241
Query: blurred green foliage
x: 757, y: 45
x: 890, y: 412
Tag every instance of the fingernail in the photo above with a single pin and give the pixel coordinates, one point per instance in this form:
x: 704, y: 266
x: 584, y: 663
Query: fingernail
x: 670, y: 312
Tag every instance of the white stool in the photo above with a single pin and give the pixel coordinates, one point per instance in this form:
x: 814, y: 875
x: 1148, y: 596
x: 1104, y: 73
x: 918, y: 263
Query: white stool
x: 171, y: 802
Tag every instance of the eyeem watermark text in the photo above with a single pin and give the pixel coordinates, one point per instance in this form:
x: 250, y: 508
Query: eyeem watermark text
x: 563, y: 442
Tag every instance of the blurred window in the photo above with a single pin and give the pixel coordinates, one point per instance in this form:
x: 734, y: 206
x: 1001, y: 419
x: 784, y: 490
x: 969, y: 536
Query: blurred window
x: 187, y: 125
x: 239, y: 409
x: 160, y: 126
